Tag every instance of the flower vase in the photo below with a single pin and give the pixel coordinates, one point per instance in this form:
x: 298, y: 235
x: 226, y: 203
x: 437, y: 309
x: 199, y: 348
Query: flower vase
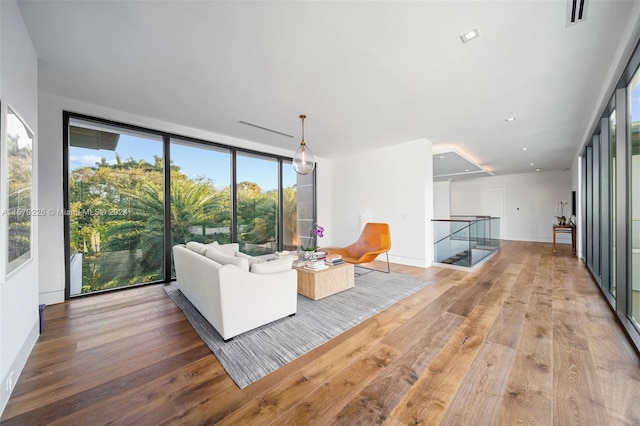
x: 308, y: 254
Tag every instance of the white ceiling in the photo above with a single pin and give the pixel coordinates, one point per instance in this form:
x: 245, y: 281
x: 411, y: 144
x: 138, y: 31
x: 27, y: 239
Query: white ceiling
x: 367, y: 74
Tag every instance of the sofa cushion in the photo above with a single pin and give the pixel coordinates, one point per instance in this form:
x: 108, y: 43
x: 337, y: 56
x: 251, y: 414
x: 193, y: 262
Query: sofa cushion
x: 225, y: 259
x: 197, y: 247
x: 252, y: 260
x: 272, y: 266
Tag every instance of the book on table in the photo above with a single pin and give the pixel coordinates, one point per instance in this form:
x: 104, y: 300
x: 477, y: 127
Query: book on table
x: 317, y: 268
x: 315, y: 265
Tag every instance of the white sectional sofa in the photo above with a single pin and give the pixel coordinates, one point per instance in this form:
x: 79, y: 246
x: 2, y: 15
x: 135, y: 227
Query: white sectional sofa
x: 235, y: 292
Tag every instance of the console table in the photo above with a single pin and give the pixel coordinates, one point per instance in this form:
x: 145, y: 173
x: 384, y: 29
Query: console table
x: 565, y: 229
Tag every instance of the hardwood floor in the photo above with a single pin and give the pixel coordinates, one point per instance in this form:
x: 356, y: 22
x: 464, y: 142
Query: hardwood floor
x: 526, y: 339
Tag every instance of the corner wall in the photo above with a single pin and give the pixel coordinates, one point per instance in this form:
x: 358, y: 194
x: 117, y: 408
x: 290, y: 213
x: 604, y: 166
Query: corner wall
x: 529, y: 202
x: 392, y: 185
x: 441, y: 200
x: 19, y: 317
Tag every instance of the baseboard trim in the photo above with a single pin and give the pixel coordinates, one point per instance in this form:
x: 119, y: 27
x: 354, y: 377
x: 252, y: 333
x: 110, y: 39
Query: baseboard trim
x: 51, y: 297
x: 10, y: 380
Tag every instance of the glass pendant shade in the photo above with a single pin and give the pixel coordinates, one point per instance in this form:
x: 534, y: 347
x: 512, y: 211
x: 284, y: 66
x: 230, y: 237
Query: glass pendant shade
x: 303, y: 161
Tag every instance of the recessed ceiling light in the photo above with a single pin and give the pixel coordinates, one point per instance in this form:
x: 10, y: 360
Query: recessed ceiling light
x: 508, y: 119
x: 466, y: 170
x: 537, y: 170
x: 442, y: 156
x: 470, y: 35
x: 524, y: 149
x: 531, y: 164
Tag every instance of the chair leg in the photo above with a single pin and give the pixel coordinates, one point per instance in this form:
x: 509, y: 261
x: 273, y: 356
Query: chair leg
x: 357, y: 274
x: 388, y: 264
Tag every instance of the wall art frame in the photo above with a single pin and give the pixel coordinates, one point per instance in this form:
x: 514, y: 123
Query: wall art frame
x: 16, y: 190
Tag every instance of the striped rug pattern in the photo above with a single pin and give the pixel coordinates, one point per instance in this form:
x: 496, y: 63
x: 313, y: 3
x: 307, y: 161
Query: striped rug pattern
x: 256, y: 353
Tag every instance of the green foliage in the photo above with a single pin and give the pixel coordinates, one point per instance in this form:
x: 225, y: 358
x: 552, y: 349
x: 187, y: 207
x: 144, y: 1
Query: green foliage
x: 19, y: 162
x: 117, y: 218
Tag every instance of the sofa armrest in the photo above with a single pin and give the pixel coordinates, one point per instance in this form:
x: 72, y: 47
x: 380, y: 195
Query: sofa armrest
x: 197, y: 278
x: 249, y: 300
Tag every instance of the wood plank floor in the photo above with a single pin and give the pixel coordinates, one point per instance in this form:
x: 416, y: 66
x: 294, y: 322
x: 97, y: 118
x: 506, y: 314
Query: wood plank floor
x: 526, y: 339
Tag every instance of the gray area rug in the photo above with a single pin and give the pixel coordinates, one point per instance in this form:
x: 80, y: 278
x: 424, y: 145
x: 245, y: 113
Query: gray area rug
x: 256, y: 353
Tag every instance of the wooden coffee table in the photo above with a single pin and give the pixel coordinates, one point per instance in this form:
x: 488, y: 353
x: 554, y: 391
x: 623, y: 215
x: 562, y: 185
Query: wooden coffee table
x: 318, y: 284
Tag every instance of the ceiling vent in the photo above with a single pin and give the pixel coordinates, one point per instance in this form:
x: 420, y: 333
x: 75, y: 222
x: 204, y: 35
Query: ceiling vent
x: 246, y: 123
x: 576, y: 11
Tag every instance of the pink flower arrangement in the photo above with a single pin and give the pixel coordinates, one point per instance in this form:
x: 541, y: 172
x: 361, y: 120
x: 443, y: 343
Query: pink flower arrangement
x: 316, y: 231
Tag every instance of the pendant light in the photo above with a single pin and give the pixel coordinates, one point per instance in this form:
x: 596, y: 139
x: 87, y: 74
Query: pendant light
x: 303, y: 161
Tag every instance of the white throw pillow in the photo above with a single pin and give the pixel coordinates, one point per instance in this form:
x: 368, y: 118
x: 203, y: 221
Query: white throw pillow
x: 214, y: 245
x: 228, y: 249
x: 225, y: 259
x: 197, y: 247
x: 252, y: 260
x: 273, y: 266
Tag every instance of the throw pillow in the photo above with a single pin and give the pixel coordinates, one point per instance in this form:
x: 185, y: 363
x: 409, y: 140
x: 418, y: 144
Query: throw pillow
x: 228, y: 249
x: 273, y: 266
x: 225, y: 259
x: 214, y: 245
x: 197, y: 247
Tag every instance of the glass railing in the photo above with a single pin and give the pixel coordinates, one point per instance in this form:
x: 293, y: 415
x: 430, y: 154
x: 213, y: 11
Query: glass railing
x: 465, y: 240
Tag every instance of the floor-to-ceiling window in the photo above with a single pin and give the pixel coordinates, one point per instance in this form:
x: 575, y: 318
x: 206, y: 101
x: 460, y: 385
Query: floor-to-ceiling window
x: 257, y: 205
x: 290, y: 206
x: 595, y: 187
x: 611, y: 199
x: 599, y: 168
x: 115, y: 207
x: 588, y: 168
x: 633, y: 96
x: 132, y: 193
x: 613, y: 202
x: 200, y: 192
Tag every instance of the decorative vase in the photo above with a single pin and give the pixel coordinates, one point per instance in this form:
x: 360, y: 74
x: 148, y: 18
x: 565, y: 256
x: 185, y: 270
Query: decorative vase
x: 308, y: 254
x: 561, y: 220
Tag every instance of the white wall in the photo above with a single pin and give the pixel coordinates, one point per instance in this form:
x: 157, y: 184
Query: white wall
x: 529, y: 199
x: 442, y: 200
x: 52, y: 233
x: 19, y: 318
x: 392, y: 185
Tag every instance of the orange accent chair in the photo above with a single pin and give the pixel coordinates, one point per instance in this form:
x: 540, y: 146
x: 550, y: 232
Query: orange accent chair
x: 374, y: 240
